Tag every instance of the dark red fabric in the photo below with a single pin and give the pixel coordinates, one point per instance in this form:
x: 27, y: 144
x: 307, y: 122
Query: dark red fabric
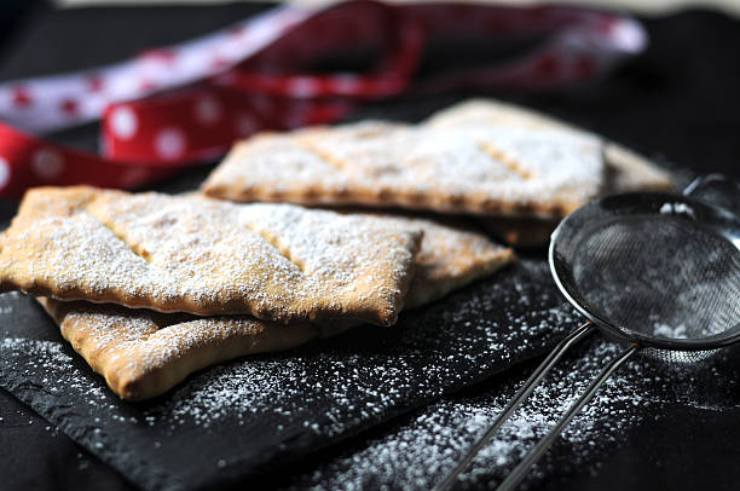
x: 180, y: 105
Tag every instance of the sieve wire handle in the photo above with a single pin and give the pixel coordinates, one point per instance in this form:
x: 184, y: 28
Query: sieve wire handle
x: 579, y: 333
x: 515, y: 477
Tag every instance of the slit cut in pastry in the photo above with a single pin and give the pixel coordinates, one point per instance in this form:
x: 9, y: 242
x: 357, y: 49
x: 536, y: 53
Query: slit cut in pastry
x: 142, y: 354
x: 625, y: 170
x: 280, y: 263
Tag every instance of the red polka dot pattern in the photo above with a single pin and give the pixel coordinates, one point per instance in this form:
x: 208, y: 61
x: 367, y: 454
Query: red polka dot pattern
x: 175, y: 106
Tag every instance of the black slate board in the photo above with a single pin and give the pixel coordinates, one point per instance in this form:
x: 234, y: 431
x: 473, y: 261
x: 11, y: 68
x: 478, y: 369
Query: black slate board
x: 248, y: 418
x: 259, y: 413
x: 630, y: 414
x: 678, y: 102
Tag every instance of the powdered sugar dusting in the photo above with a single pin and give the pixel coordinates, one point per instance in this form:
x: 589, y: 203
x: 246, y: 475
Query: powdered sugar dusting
x: 672, y: 332
x: 419, y: 452
x: 51, y: 360
x: 40, y: 348
x: 677, y: 209
x: 256, y: 409
x: 128, y: 346
x: 207, y: 257
x: 539, y: 169
x: 237, y: 391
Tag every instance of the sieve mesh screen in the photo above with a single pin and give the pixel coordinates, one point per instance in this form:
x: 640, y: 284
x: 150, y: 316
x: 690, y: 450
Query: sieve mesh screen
x: 657, y: 269
x: 659, y: 275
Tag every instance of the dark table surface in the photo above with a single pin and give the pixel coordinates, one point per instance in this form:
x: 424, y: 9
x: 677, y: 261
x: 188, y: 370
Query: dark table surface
x: 677, y: 103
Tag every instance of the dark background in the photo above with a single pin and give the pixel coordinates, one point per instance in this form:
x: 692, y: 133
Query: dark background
x: 677, y: 103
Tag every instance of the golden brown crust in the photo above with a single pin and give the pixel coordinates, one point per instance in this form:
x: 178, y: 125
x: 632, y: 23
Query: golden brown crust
x: 451, y: 256
x: 186, y: 254
x: 449, y: 170
x: 142, y: 354
x: 520, y: 232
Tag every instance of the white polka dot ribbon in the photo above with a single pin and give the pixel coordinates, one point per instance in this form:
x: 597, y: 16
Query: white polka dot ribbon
x: 184, y: 104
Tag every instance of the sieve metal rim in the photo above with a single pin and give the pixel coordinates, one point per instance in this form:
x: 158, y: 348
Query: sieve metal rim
x: 720, y: 222
x: 649, y: 203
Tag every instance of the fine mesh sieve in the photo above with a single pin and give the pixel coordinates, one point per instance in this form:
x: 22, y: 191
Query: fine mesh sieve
x: 659, y: 270
x: 659, y: 273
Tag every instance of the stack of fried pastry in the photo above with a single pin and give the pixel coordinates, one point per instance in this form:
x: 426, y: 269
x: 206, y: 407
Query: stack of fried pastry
x: 149, y: 288
x: 518, y: 171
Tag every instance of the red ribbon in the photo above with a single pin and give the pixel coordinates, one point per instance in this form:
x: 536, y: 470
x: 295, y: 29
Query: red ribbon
x: 154, y: 120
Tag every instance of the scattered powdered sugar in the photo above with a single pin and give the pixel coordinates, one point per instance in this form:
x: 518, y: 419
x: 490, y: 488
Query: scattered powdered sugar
x: 673, y: 332
x: 404, y: 363
x: 419, y: 452
x: 306, y: 399
x: 49, y: 364
x: 677, y: 209
x: 39, y: 348
x: 260, y: 408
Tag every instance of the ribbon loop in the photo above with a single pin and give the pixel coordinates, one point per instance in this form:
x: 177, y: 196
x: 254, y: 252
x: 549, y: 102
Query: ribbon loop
x: 179, y: 105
